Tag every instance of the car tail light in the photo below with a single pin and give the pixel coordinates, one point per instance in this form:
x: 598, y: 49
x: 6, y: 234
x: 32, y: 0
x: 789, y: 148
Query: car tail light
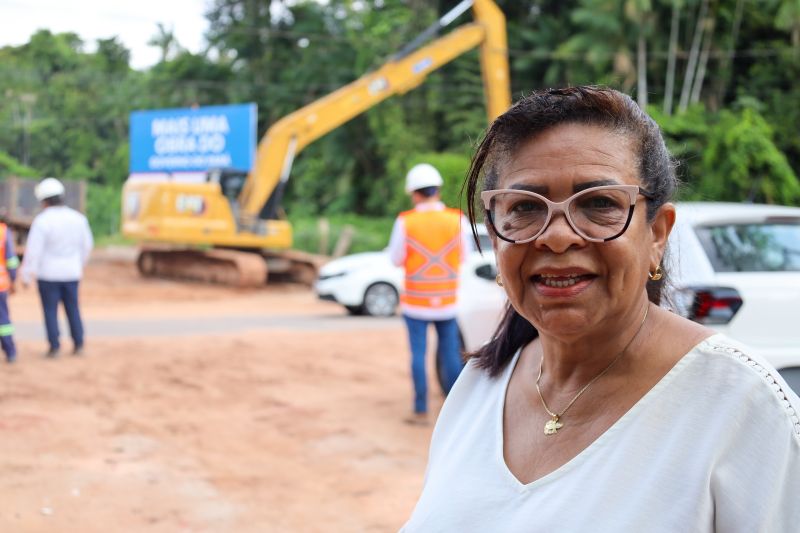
x: 713, y: 305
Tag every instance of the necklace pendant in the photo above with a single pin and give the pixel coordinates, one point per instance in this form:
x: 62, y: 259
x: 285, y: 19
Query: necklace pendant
x: 552, y: 426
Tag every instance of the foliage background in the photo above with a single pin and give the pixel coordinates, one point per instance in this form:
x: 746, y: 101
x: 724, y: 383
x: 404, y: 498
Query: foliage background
x: 718, y: 75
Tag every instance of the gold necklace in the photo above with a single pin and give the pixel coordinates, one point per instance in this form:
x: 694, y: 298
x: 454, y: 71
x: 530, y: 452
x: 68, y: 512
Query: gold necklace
x: 554, y: 424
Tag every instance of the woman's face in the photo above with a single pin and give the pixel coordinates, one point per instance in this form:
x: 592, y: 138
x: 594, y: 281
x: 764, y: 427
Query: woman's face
x: 563, y: 284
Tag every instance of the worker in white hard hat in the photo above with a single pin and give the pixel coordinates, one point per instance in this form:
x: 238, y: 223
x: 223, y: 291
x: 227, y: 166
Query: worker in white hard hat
x: 430, y: 241
x: 56, y: 251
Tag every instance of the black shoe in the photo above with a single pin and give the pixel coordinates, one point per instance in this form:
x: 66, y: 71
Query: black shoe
x: 11, y: 360
x: 52, y: 353
x: 78, y: 350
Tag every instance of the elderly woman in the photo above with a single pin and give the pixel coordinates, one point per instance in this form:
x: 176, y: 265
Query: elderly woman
x: 593, y: 408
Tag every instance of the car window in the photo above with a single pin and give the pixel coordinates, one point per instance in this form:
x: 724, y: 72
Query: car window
x: 767, y: 247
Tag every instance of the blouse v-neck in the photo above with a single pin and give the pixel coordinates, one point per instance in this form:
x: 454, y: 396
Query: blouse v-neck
x: 596, y: 445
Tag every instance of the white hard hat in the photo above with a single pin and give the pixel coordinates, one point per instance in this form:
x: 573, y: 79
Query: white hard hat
x: 48, y: 188
x: 422, y: 176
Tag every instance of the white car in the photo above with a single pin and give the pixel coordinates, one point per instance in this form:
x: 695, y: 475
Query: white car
x: 368, y: 283
x: 733, y: 267
x: 736, y: 268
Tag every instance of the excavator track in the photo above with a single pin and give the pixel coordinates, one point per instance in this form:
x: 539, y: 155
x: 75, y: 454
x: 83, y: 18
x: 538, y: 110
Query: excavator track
x: 224, y: 267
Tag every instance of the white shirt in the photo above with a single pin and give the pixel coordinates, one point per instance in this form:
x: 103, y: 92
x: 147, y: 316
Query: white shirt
x: 397, y: 253
x: 58, y: 245
x: 714, y: 446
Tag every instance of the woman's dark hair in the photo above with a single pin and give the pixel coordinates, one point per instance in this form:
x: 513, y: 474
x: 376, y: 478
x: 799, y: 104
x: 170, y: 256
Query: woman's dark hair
x: 537, y: 113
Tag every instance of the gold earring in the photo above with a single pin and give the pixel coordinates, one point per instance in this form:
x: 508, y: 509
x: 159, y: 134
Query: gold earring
x: 657, y: 275
x: 499, y: 280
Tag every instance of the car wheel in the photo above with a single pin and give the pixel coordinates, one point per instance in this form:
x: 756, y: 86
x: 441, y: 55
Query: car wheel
x: 380, y: 299
x: 355, y: 310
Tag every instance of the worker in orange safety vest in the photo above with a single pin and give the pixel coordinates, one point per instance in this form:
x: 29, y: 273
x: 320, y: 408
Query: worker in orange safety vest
x: 8, y: 272
x: 430, y: 241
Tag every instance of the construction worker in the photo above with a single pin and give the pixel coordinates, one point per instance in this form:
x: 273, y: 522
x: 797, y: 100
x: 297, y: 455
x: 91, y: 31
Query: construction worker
x: 430, y: 242
x: 8, y: 274
x: 57, y: 249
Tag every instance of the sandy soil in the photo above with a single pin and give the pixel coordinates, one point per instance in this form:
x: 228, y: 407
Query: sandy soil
x: 260, y: 429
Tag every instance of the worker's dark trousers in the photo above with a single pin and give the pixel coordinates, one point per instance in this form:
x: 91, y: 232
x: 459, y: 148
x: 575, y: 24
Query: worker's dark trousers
x: 449, y: 346
x: 6, y: 329
x: 53, y: 292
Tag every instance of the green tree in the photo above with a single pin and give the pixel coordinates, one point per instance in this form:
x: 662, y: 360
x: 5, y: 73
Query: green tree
x: 742, y: 162
x: 65, y: 109
x: 788, y: 18
x: 11, y: 167
x: 603, y: 42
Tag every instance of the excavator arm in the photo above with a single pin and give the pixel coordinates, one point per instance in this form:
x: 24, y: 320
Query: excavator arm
x: 204, y: 231
x: 263, y: 189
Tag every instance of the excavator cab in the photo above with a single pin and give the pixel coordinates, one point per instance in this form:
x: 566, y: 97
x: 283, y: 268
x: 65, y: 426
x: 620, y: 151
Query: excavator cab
x: 230, y: 181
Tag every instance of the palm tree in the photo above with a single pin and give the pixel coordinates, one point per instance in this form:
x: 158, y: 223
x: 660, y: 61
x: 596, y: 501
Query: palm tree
x: 701, y: 68
x: 603, y: 44
x: 694, y: 54
x: 788, y: 18
x: 165, y: 40
x: 669, y: 85
x: 640, y: 13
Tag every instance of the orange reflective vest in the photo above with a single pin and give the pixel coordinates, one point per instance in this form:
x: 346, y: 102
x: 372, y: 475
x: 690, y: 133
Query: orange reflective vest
x: 5, y: 278
x: 433, y: 257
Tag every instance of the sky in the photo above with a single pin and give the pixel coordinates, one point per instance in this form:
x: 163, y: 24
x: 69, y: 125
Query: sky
x: 133, y: 21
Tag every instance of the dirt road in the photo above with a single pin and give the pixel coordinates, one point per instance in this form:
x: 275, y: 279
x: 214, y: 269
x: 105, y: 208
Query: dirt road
x: 208, y: 409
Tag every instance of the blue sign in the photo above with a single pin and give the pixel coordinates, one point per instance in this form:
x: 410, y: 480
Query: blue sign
x: 193, y: 139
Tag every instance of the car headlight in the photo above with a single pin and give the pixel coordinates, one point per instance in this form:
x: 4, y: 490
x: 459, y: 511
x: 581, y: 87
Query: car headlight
x: 323, y: 277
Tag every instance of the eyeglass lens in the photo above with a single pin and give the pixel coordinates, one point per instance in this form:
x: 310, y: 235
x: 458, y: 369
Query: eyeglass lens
x: 596, y: 214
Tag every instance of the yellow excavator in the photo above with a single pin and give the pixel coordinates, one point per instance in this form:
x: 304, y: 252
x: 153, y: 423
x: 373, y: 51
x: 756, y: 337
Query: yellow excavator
x: 230, y: 228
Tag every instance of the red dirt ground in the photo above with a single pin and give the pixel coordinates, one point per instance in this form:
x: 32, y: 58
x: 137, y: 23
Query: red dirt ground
x: 254, y: 430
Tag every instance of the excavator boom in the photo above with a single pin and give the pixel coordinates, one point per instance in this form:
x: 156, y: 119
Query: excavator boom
x: 287, y: 137
x: 180, y: 221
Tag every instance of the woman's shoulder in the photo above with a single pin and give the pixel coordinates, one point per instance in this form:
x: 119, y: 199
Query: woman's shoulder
x: 719, y: 349
x: 739, y: 375
x: 474, y: 394
x: 474, y: 376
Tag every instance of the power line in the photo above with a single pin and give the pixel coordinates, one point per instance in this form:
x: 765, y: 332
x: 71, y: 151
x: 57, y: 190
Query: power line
x: 661, y: 54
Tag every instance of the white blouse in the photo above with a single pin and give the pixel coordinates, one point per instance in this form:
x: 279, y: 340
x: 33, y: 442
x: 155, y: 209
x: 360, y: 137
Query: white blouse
x: 714, y: 446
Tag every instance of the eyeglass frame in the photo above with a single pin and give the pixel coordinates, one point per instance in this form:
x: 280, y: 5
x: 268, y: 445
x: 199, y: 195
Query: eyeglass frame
x: 555, y: 207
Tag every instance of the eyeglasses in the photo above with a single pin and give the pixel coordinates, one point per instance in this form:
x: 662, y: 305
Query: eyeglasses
x: 598, y: 214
